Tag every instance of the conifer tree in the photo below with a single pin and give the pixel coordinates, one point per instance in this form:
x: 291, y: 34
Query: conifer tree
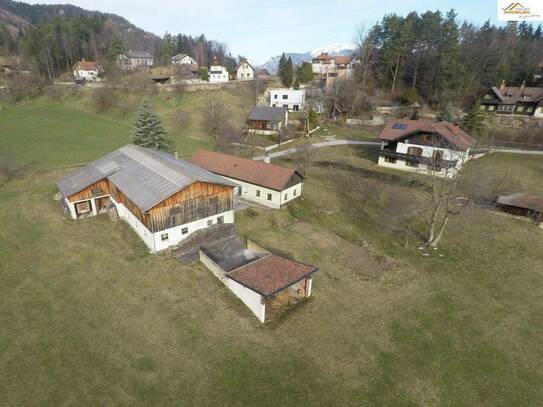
x: 445, y: 115
x: 148, y: 131
x: 473, y: 122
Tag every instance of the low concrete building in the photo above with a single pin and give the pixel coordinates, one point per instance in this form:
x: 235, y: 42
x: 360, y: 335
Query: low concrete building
x: 163, y: 199
x: 263, y: 183
x: 291, y: 99
x: 264, y: 282
x: 439, y: 148
x: 267, y: 119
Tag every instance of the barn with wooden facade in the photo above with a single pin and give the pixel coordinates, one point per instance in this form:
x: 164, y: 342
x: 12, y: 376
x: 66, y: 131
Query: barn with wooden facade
x: 164, y: 199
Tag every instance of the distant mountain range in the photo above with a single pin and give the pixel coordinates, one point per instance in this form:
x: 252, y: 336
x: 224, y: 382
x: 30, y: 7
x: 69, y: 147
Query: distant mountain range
x: 17, y: 17
x: 298, y: 58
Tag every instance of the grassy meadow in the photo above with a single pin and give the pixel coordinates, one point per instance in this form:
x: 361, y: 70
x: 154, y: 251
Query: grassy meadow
x: 88, y: 317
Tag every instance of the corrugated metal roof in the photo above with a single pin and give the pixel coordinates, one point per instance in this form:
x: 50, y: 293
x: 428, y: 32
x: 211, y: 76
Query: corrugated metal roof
x: 145, y: 176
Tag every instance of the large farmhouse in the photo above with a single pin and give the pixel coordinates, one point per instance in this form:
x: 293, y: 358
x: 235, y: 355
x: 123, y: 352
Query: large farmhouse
x: 267, y: 119
x: 264, y: 183
x: 439, y: 148
x: 162, y: 198
x: 518, y: 100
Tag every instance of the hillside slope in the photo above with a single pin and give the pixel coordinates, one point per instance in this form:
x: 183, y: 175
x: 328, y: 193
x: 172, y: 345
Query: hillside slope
x: 17, y: 17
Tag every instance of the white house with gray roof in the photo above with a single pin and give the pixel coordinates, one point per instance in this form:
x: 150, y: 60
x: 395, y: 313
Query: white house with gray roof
x: 164, y: 199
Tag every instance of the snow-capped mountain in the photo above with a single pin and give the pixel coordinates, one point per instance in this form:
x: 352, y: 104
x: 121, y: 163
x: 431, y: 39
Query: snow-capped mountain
x: 298, y: 58
x: 335, y: 49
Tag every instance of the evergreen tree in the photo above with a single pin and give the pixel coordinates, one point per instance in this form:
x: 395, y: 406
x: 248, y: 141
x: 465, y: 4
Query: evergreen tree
x: 148, y: 132
x: 281, y: 67
x: 473, y: 122
x: 114, y: 49
x: 296, y: 84
x: 304, y: 73
x: 445, y: 115
x: 287, y: 74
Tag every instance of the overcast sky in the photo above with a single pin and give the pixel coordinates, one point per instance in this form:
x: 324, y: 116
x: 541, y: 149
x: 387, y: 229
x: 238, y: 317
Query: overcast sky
x: 260, y: 29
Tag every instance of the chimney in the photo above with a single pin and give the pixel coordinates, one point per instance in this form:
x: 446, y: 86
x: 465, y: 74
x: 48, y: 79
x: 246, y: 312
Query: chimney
x: 176, y: 155
x: 502, y: 86
x: 522, y: 87
x: 267, y: 158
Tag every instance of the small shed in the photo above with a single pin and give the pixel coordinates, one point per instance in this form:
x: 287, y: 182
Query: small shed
x: 267, y: 119
x: 266, y: 283
x: 520, y: 204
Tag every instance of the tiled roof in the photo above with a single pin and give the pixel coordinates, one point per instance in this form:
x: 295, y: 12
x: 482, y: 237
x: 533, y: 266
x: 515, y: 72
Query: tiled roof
x: 139, y: 54
x: 343, y: 59
x: 254, y: 172
x: 87, y: 65
x: 397, y: 129
x: 271, y: 274
x: 145, y: 176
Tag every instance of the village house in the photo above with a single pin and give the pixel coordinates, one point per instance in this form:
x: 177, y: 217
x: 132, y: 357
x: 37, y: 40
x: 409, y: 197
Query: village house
x: 135, y: 59
x: 522, y: 205
x: 162, y: 198
x: 218, y: 73
x: 291, y: 99
x: 86, y: 71
x: 323, y: 64
x: 184, y: 60
x: 262, y: 73
x: 244, y: 71
x: 514, y: 100
x: 439, y: 148
x: 260, y: 182
x: 264, y: 282
x: 267, y: 119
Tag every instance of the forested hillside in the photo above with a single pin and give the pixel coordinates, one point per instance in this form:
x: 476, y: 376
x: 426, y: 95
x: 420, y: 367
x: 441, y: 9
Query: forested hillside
x: 59, y: 24
x: 438, y: 56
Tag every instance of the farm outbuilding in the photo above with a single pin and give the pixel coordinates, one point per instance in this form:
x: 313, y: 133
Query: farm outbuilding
x: 164, y: 199
x: 522, y: 205
x: 267, y: 119
x: 267, y: 184
x: 264, y: 282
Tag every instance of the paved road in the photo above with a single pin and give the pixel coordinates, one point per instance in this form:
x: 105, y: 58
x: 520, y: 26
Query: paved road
x: 320, y: 145
x: 341, y: 142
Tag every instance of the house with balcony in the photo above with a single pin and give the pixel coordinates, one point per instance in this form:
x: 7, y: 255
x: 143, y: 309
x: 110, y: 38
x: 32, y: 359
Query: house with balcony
x: 434, y: 148
x: 514, y: 100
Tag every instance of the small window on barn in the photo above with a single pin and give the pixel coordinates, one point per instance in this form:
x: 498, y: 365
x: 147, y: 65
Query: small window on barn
x: 220, y: 219
x: 482, y: 107
x: 490, y: 108
x: 275, y: 96
x: 184, y: 231
x: 390, y: 160
x: 529, y: 109
x: 286, y: 197
x: 269, y: 197
x: 164, y: 236
x: 210, y: 222
x: 258, y: 192
x: 245, y: 190
x: 294, y: 192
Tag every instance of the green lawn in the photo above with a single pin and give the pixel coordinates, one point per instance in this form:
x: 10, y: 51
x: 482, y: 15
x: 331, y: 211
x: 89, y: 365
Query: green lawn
x: 88, y: 317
